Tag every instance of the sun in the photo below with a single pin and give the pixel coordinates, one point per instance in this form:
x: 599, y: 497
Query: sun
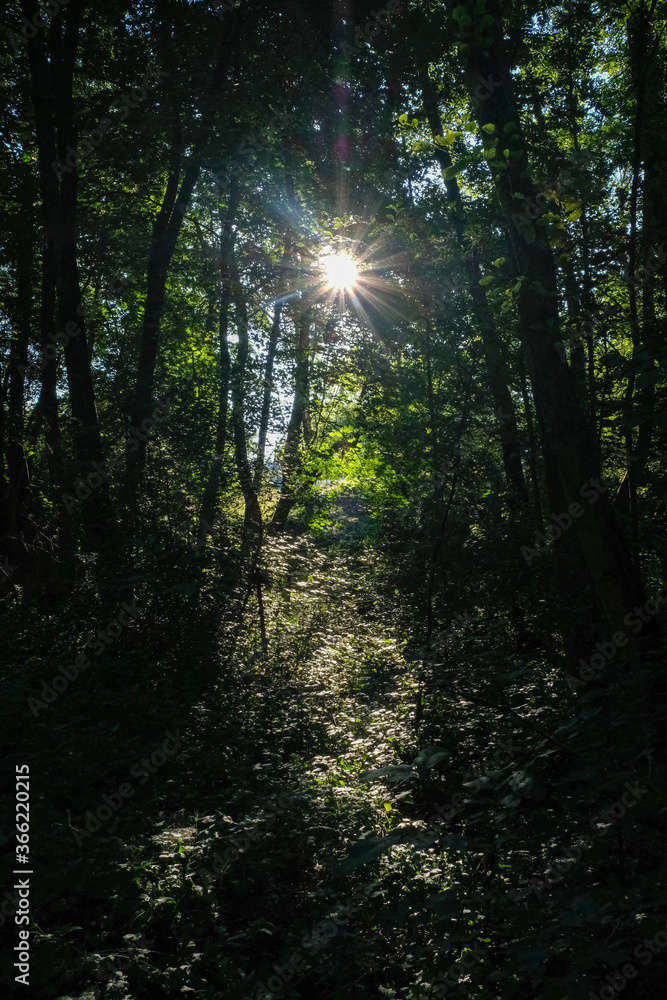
x: 340, y: 271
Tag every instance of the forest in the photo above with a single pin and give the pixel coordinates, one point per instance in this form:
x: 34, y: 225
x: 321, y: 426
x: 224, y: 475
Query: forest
x: 333, y: 499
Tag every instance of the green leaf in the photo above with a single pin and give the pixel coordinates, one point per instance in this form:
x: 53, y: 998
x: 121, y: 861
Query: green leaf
x: 455, y: 169
x: 489, y: 127
x: 499, y: 261
x: 459, y: 14
x: 430, y: 756
x: 363, y: 852
x: 487, y: 279
x: 392, y: 773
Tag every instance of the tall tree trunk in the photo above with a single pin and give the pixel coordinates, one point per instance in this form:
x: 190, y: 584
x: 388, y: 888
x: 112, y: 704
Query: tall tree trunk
x: 47, y: 404
x: 166, y: 229
x: 650, y: 155
x: 290, y: 460
x: 568, y: 445
x: 268, y: 372
x: 16, y: 495
x: 573, y: 327
x: 266, y: 395
x: 211, y: 491
x: 58, y: 188
x: 252, y: 523
x: 496, y: 372
x: 532, y: 442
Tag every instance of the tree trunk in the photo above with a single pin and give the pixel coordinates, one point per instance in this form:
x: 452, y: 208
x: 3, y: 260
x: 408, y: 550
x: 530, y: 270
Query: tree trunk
x: 495, y: 364
x: 16, y: 496
x: 166, y: 230
x: 568, y: 445
x: 58, y: 188
x: 650, y: 156
x: 268, y: 376
x: 290, y: 461
x: 252, y: 523
x: 211, y: 491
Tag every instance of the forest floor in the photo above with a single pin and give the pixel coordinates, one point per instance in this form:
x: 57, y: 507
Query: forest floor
x: 218, y: 861
x: 230, y: 842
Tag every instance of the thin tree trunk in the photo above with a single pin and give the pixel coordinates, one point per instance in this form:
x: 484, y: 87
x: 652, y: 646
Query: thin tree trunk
x: 252, y: 523
x: 163, y: 244
x: 290, y: 461
x: 268, y: 376
x: 210, y: 499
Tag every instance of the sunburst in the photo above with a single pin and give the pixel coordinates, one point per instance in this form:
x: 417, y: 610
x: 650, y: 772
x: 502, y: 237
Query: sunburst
x: 340, y: 271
